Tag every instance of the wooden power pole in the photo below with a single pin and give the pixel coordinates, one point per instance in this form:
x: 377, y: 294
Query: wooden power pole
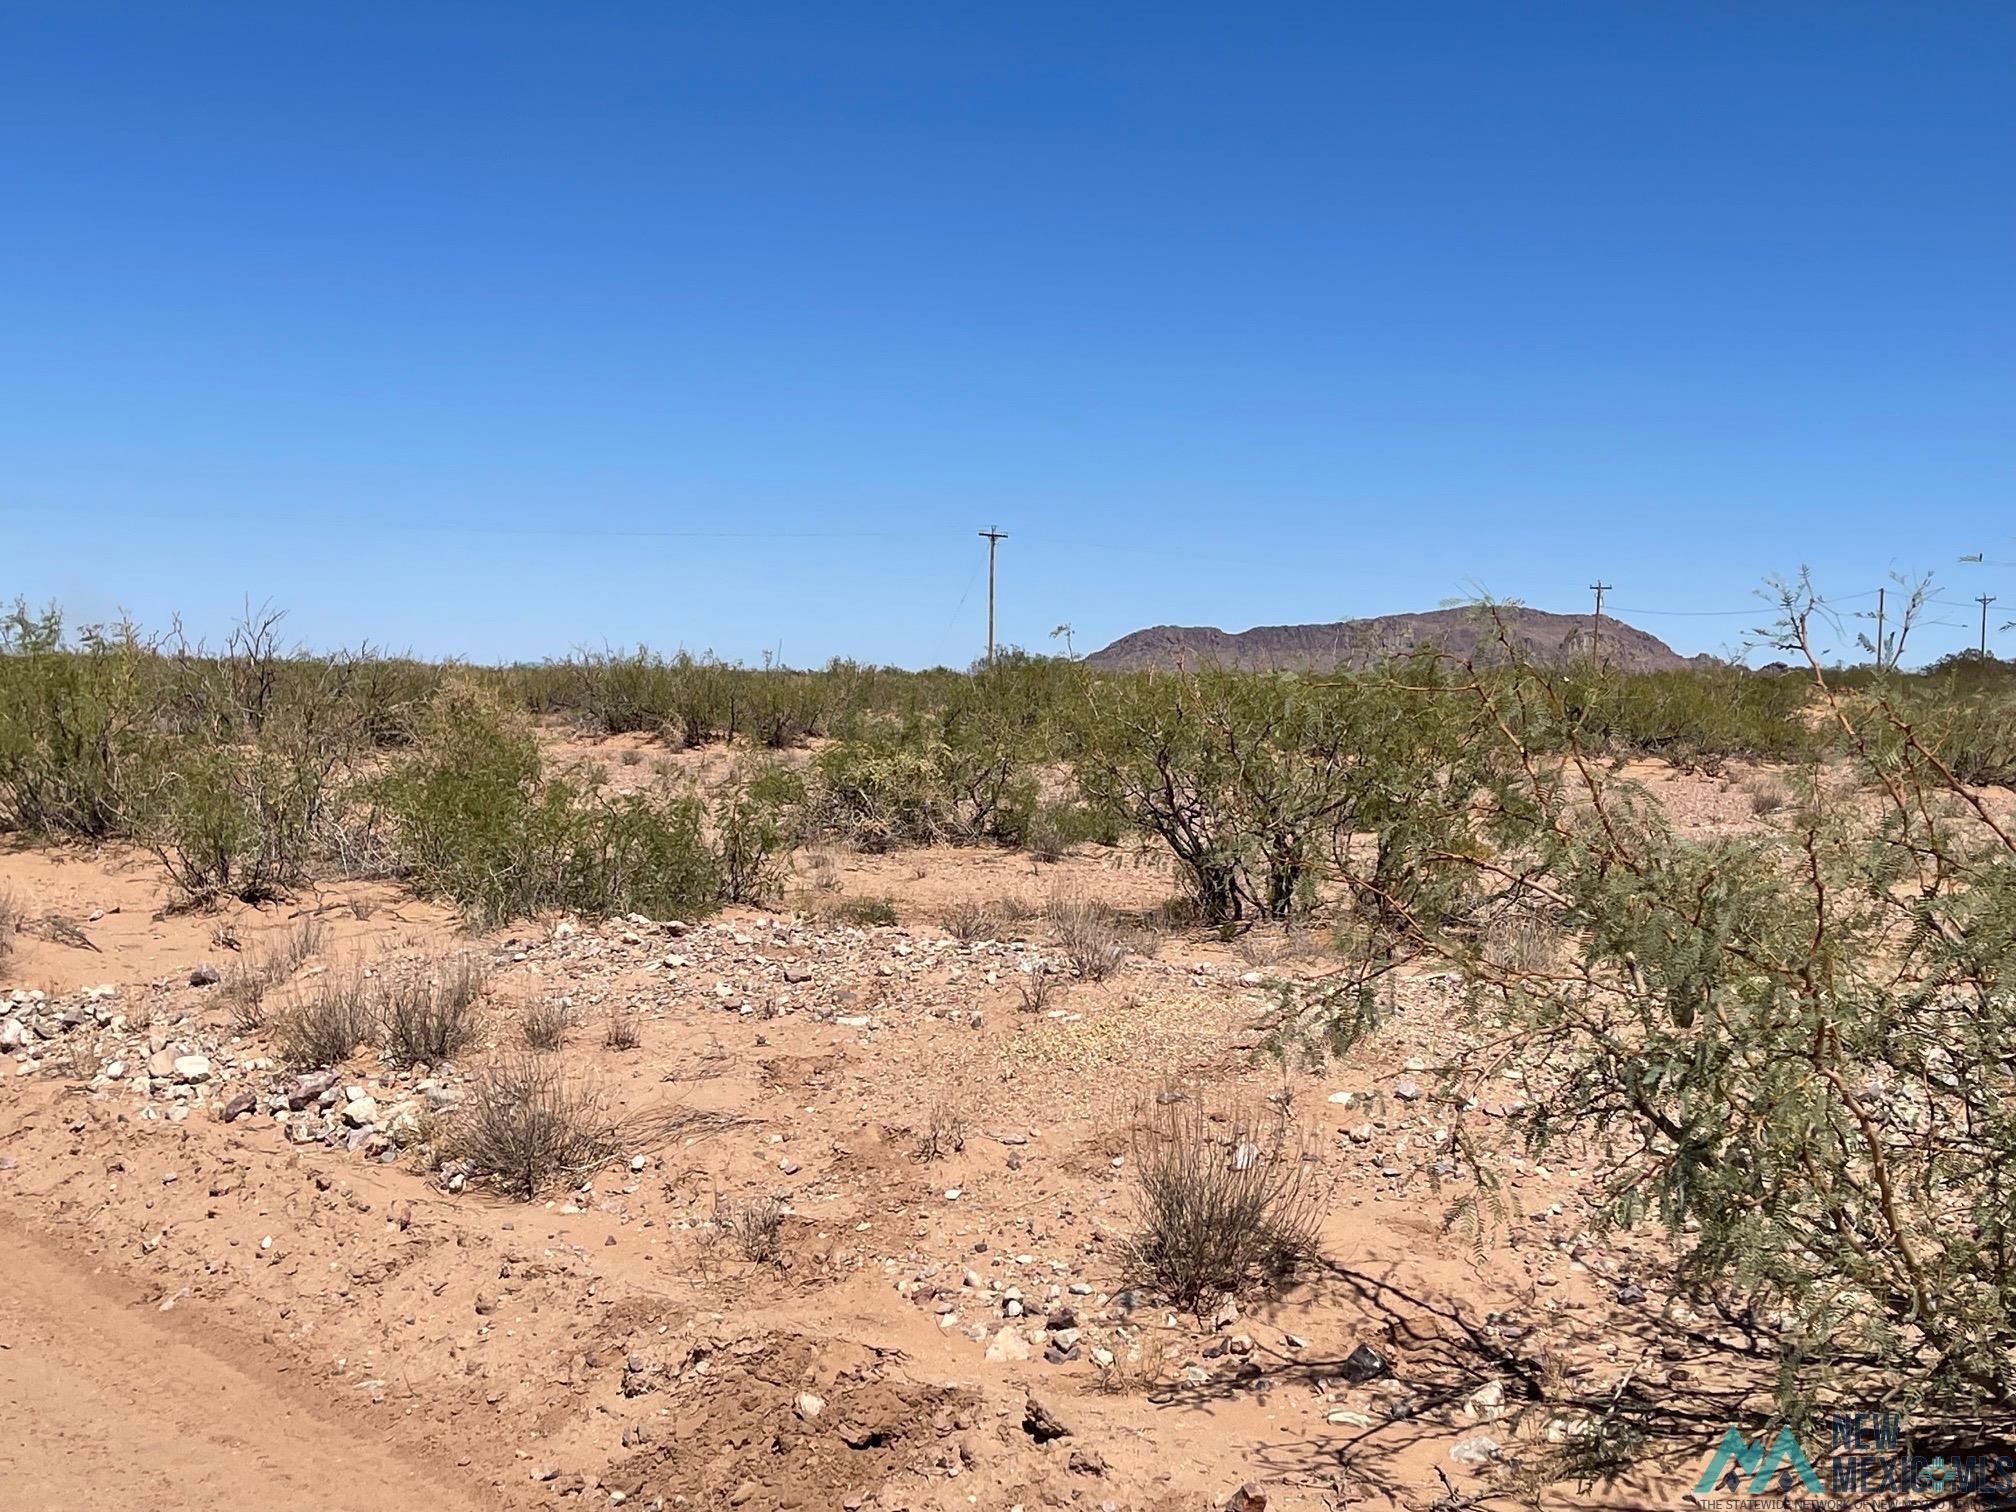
x: 1599, y: 588
x: 1984, y: 601
x: 993, y: 538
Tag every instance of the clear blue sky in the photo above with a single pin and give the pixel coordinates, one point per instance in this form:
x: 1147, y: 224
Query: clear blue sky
x: 439, y: 323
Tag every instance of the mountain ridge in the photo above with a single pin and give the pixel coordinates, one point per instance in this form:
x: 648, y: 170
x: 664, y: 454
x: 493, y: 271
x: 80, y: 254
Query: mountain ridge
x: 1545, y: 637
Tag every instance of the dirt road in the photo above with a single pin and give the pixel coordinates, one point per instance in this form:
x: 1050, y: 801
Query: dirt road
x: 106, y: 1401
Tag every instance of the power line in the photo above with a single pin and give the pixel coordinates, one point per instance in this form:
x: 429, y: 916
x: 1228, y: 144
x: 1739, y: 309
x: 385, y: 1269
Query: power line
x: 994, y: 538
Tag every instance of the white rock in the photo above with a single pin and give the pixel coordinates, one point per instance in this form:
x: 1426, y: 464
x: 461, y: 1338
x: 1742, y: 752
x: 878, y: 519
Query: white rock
x: 192, y: 1068
x: 1008, y: 1344
x: 1487, y: 1403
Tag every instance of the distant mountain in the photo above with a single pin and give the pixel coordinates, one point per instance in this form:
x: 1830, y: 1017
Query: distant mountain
x: 1545, y: 638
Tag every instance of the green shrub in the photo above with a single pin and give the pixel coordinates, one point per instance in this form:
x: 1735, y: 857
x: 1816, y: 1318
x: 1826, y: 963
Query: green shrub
x: 1789, y: 1048
x: 1697, y: 718
x: 1260, y: 786
x: 751, y: 833
x: 961, y: 778
x: 77, y: 724
x: 479, y: 822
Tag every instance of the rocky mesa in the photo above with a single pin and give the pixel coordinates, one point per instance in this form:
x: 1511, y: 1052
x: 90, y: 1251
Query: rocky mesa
x: 1547, y: 638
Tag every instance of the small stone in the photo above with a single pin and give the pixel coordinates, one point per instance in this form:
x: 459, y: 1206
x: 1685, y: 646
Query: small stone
x: 1487, y: 1403
x: 245, y: 1102
x: 1364, y: 1363
x: 361, y: 1112
x: 192, y: 1068
x: 204, y: 976
x: 1008, y: 1345
x: 1040, y: 1423
x: 1251, y: 1497
x: 1477, y: 1449
x: 810, y: 1406
x: 1406, y: 1091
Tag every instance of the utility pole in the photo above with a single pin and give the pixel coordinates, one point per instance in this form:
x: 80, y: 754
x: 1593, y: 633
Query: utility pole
x: 994, y: 538
x: 1984, y: 601
x: 1599, y: 588
x: 1879, y: 629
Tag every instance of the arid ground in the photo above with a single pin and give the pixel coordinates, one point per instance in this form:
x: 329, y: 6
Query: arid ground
x: 225, y: 1286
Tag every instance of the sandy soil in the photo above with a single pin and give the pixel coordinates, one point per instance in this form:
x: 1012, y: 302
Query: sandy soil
x: 112, y: 1400
x: 213, y: 1293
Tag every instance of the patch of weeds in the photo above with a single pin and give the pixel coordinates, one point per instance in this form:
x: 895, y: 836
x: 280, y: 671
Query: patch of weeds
x: 544, y: 1025
x: 865, y: 913
x: 325, y: 1027
x: 623, y: 1031
x: 1089, y: 935
x: 427, y: 1019
x: 756, y: 1224
x: 1225, y: 1201
x: 1038, y: 992
x: 972, y: 921
x: 527, y: 1126
x: 943, y: 1135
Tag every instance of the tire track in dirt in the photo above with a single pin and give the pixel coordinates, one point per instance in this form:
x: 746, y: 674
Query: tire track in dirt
x: 114, y: 1404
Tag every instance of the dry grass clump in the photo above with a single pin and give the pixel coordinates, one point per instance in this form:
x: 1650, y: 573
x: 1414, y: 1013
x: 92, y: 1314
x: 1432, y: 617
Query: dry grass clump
x: 756, y: 1224
x: 10, y: 922
x: 428, y: 1018
x: 824, y: 873
x: 1136, y: 1369
x: 526, y: 1126
x: 943, y: 1135
x: 248, y: 981
x: 623, y: 1032
x: 1225, y: 1200
x: 1521, y: 942
x: 864, y: 913
x: 544, y: 1025
x: 300, y: 941
x: 1089, y: 934
x: 1767, y: 793
x: 325, y: 1026
x: 971, y: 921
x: 1037, y: 992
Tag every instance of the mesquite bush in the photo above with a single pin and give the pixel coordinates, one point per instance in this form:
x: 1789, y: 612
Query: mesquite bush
x: 1795, y: 1050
